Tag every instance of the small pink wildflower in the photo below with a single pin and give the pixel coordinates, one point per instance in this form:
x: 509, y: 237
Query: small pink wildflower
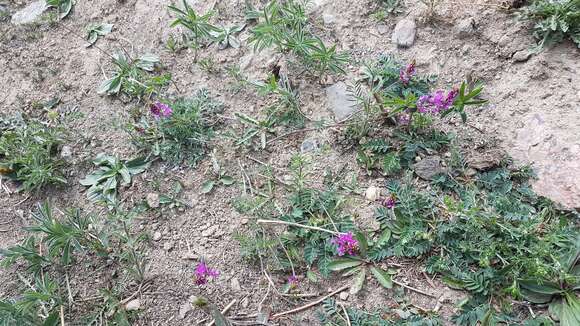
x: 345, y: 244
x: 161, y: 110
x: 202, y: 273
x: 389, y: 202
x: 404, y: 118
x: 406, y: 73
x: 436, y: 102
x: 293, y: 281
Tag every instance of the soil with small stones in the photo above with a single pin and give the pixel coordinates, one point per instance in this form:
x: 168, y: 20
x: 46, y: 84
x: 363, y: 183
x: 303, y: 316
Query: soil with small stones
x: 533, y: 114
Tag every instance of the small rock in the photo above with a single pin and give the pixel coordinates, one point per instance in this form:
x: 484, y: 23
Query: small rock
x: 133, y: 305
x: 153, y: 200
x: 209, y: 231
x: 157, y: 236
x: 245, y: 302
x: 190, y: 256
x: 466, y: 27
x: 30, y: 13
x: 485, y: 161
x: 343, y: 295
x: 244, y: 221
x: 66, y: 153
x: 339, y: 100
x: 373, y: 193
x: 404, y: 33
x: 470, y: 172
x: 309, y: 145
x: 235, y: 284
x: 328, y: 19
x: 382, y: 29
x: 428, y: 168
x: 521, y: 56
x: 184, y: 309
x: 188, y: 182
x: 168, y: 245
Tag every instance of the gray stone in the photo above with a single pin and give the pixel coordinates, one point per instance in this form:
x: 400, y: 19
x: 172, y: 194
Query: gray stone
x: 184, y: 309
x: 309, y: 145
x: 343, y: 295
x: 133, y: 305
x: 382, y: 29
x: 404, y: 33
x: 339, y: 101
x: 209, y: 231
x: 168, y: 245
x: 373, y: 193
x: 66, y: 153
x: 153, y: 200
x: 328, y: 19
x: 428, y: 168
x: 235, y: 284
x: 521, y: 56
x: 466, y: 27
x: 157, y: 236
x: 30, y: 13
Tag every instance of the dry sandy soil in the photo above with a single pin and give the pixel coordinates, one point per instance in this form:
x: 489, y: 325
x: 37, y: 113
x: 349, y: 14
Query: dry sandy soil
x: 533, y: 113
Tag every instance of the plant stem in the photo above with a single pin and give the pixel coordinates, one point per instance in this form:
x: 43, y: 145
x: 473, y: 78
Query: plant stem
x: 261, y: 221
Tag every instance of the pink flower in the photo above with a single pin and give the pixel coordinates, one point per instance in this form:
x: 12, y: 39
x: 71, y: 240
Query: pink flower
x: 404, y: 118
x: 345, y: 244
x: 161, y: 110
x: 389, y: 202
x: 436, y: 102
x: 202, y: 273
x: 406, y: 73
x: 293, y: 281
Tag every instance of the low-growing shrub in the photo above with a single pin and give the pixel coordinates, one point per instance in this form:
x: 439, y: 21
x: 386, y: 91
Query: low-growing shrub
x: 134, y: 78
x: 284, y: 25
x: 554, y: 21
x: 30, y: 153
x: 178, y: 131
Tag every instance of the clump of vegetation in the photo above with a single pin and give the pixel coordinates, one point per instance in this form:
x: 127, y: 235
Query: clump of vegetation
x: 181, y: 131
x: 63, y: 7
x: 284, y: 25
x: 387, y: 8
x: 554, y: 21
x: 133, y: 78
x: 200, y: 31
x: 198, y: 25
x: 56, y: 243
x: 96, y: 30
x: 112, y: 172
x: 333, y: 313
x: 30, y: 153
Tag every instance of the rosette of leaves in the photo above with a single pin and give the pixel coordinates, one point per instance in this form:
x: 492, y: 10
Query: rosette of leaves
x: 29, y: 153
x: 361, y: 264
x: 63, y: 7
x: 94, y: 31
x: 132, y: 77
x: 112, y: 173
x: 226, y: 37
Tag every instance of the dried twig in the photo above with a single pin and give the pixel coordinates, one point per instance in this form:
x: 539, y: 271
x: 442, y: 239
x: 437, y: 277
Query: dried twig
x: 413, y: 289
x: 261, y: 221
x: 345, y: 314
x: 311, y: 304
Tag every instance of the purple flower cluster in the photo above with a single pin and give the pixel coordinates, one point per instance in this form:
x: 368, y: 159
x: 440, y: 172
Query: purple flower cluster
x: 436, y: 102
x: 293, y: 281
x: 202, y: 273
x: 404, y: 118
x: 389, y: 202
x: 345, y: 244
x: 159, y: 110
x: 406, y: 73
